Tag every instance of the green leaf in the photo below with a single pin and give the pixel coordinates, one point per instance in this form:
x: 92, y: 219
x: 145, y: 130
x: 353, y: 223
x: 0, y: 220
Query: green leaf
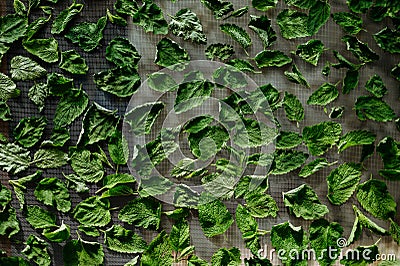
x: 313, y: 167
x: 119, y: 239
x: 38, y: 94
x: 53, y: 192
x: 24, y: 68
x: 252, y: 133
x: 389, y: 150
x: 342, y: 182
x: 192, y: 92
x: 29, y: 130
x: 19, y: 186
x: 76, y: 183
x: 310, y: 51
x: 121, y: 52
x: 248, y: 226
x: 14, y: 158
x: 287, y: 237
x: 394, y: 231
x: 5, y: 114
x: 118, y: 148
x: 80, y: 252
x: 58, y: 138
x: 89, y: 230
x: 318, y: 15
x: 44, y: 49
x: 113, y: 180
x: 229, y: 77
x: 350, y: 81
x: 142, y: 118
x: 322, y: 136
x: 39, y: 218
x: 59, y: 85
x: 294, y: 110
x: 214, y: 218
x: 260, y: 204
x: 372, y: 108
x: 359, y: 49
x: 262, y: 26
x: 142, y: 212
x: 303, y: 202
x: 70, y: 107
x: 62, y: 233
x: 272, y: 95
x: 9, y: 223
x: 187, y: 25
x: 87, y: 35
x: 242, y: 65
x: 237, y: 33
x: 159, y: 251
x: 87, y: 165
x: 388, y: 40
x: 93, y: 211
x: 12, y: 27
x: 196, y: 261
x: 220, y: 51
x: 36, y: 250
x: 352, y: 259
x: 154, y: 185
x: 169, y: 53
x: 5, y: 197
x: 50, y: 158
x: 296, y: 76
x: 98, y: 124
x: 238, y: 12
x: 336, y: 112
x: 35, y: 27
x: 272, y: 58
x: 293, y: 24
x: 185, y: 168
x: 324, y: 95
x: 349, y: 22
x: 150, y: 17
x: 264, y: 5
x: 226, y: 256
x: 116, y: 19
x: 286, y: 161
x: 356, y: 137
x: 344, y: 63
x: 197, y: 124
x: 288, y: 140
x: 180, y: 235
x: 72, y: 62
x: 375, y: 198
x: 254, y: 261
x: 218, y: 8
x: 359, y: 6
x: 126, y: 7
x: 376, y: 86
x: 120, y: 81
x: 324, y: 236
x: 395, y: 72
x: 161, y: 82
x: 303, y: 4
x: 64, y: 17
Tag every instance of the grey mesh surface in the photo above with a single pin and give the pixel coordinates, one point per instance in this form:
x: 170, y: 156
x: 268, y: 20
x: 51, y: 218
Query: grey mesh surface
x: 330, y: 35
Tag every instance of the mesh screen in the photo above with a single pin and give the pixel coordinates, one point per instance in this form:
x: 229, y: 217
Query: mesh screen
x: 330, y: 34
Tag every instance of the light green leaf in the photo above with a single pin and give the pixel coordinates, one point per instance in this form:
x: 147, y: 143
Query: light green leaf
x: 324, y: 95
x: 44, y: 49
x: 150, y: 17
x: 236, y: 33
x: 159, y: 251
x: 368, y: 107
x: 220, y: 51
x: 38, y: 94
x: 187, y: 25
x: 356, y: 137
x: 260, y: 204
x: 93, y: 211
x: 113, y: 180
x: 349, y: 22
x: 286, y: 161
x: 296, y: 76
x: 29, y: 130
x: 116, y: 19
x: 310, y: 51
x: 24, y: 68
x: 207, y: 142
x: 39, y: 218
x: 14, y: 158
x: 321, y: 137
x: 36, y: 250
x: 80, y: 252
x: 87, y: 165
x: 229, y: 77
x: 62, y: 233
x: 293, y: 24
x: 214, y: 218
x: 119, y: 239
x: 142, y: 212
x: 53, y: 192
x: 238, y: 12
x: 154, y: 185
x: 342, y: 182
x: 64, y: 17
x: 121, y: 52
x: 72, y: 62
x: 169, y: 53
x: 303, y: 4
x: 248, y: 226
x: 142, y: 118
x: 118, y: 148
x: 294, y: 110
x: 376, y: 86
x: 303, y: 202
x: 272, y: 58
x: 314, y: 167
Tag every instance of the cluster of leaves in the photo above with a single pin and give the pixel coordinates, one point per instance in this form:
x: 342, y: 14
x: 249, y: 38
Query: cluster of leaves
x: 100, y: 129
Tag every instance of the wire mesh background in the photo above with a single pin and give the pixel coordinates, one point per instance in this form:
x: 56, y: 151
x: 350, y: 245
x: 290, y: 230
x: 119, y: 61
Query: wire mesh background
x: 330, y: 34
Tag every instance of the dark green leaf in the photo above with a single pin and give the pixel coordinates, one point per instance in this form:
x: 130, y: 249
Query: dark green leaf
x: 226, y: 256
x: 207, y: 142
x: 359, y: 6
x: 286, y: 161
x: 76, y: 182
x: 180, y: 235
x: 142, y: 212
x: 394, y: 232
x: 87, y: 34
x: 197, y: 124
x: 294, y: 110
x: 72, y: 62
x: 118, y: 148
x: 121, y: 52
x: 36, y: 250
x: 122, y: 240
x: 154, y: 185
x: 14, y: 261
x: 318, y: 15
x: 388, y: 40
x: 12, y: 27
x: 389, y: 150
x: 354, y: 259
x: 89, y: 230
x: 372, y: 108
x: 64, y: 17
x: 35, y: 27
x: 396, y: 72
x: 324, y: 95
x: 238, y: 12
x: 8, y: 89
x: 59, y: 85
x: 262, y: 26
x: 19, y: 186
x: 220, y: 51
x: 14, y: 158
x: 38, y: 94
x: 344, y: 63
x: 214, y: 218
x: 169, y: 53
x: 310, y: 51
x: 336, y: 112
x: 9, y: 223
x: 264, y: 5
x: 342, y: 182
x: 186, y: 24
x: 116, y: 19
x: 272, y: 95
x: 70, y: 107
x: 350, y: 81
x: 126, y: 7
x: 293, y: 24
x: 314, y: 166
x: 242, y: 65
x: 252, y: 133
x: 269, y: 58
x: 62, y: 233
x: 44, y: 49
x: 142, y: 118
x: 296, y: 76
x: 249, y: 228
x: 24, y: 68
x: 159, y: 251
x: 93, y: 211
x: 150, y: 17
x: 80, y: 252
x: 218, y: 7
x: 237, y: 33
x: 29, y: 130
x: 375, y: 198
x: 321, y: 137
x: 359, y: 49
x: 349, y: 22
x: 53, y: 192
x: 229, y: 77
x: 376, y: 86
x: 304, y: 4
x: 356, y: 137
x: 5, y: 197
x: 87, y: 165
x: 288, y: 140
x: 120, y: 81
